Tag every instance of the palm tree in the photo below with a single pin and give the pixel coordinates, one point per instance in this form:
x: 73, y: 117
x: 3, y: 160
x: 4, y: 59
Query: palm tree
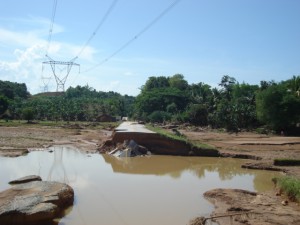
x: 294, y: 85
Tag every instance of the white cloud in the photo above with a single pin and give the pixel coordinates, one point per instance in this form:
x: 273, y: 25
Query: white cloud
x: 112, y: 85
x: 11, y: 38
x: 23, y: 51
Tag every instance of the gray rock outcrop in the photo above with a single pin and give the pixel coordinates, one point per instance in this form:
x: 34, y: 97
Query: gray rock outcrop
x: 34, y: 201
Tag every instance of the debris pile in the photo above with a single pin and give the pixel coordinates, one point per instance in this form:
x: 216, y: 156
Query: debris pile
x: 127, y: 149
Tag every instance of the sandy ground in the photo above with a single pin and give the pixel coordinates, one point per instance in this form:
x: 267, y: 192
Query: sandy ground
x: 15, y: 141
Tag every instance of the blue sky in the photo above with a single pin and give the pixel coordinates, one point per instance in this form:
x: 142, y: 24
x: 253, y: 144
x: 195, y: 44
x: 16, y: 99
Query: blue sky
x: 251, y: 40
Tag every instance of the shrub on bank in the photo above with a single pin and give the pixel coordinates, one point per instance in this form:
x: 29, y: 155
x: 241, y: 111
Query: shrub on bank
x: 289, y: 186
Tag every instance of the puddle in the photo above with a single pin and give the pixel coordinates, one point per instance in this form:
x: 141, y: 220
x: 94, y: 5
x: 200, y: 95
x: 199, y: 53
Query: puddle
x: 134, y: 191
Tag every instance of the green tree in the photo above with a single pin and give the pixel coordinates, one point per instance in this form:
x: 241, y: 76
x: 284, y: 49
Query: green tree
x: 159, y: 99
x: 197, y: 114
x: 155, y: 82
x: 3, y: 104
x: 159, y: 116
x: 227, y: 84
x: 178, y: 81
x: 278, y: 107
x: 28, y: 114
x: 294, y: 85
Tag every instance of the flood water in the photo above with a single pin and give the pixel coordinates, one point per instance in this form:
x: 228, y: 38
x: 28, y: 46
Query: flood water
x: 133, y: 191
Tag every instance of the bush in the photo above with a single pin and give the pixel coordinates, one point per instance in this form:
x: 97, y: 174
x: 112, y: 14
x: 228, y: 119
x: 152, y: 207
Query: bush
x: 28, y: 114
x: 159, y: 116
x: 290, y: 186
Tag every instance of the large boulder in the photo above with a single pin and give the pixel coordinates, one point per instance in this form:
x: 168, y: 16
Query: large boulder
x: 34, y: 201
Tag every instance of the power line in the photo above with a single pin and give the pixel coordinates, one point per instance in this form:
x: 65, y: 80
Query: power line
x: 126, y: 44
x: 51, y: 25
x: 97, y: 28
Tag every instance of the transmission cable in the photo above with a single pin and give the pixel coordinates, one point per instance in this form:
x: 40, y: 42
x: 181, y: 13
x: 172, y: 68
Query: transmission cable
x: 51, y: 25
x: 97, y: 28
x: 126, y: 44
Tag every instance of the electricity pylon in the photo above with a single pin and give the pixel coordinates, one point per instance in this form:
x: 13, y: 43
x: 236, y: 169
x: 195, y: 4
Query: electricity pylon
x: 45, y: 81
x: 59, y: 78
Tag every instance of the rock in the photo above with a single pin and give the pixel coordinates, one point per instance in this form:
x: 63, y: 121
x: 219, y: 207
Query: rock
x: 35, y: 201
x: 284, y: 203
x: 26, y: 179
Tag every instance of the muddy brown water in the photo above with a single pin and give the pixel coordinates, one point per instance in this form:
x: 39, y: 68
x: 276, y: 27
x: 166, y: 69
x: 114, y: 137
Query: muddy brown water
x: 133, y: 191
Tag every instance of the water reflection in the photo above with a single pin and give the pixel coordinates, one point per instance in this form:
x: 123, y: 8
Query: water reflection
x: 141, y: 190
x: 226, y: 168
x: 57, y: 166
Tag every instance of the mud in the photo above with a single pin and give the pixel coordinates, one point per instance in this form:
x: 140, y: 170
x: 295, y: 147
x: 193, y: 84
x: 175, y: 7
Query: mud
x: 260, y: 150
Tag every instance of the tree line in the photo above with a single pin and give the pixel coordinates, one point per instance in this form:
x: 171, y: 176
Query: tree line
x: 82, y: 103
x: 231, y: 105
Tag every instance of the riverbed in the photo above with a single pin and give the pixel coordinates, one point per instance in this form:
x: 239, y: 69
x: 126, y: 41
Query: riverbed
x: 142, y: 190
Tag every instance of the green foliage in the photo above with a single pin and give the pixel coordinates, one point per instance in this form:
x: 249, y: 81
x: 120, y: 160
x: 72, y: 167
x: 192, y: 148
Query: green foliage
x: 155, y: 82
x: 28, y: 114
x: 234, y: 106
x: 172, y: 108
x: 290, y: 186
x: 76, y: 104
x: 278, y: 107
x: 12, y: 90
x: 178, y: 81
x: 182, y: 138
x: 159, y: 116
x: 160, y: 99
x: 3, y: 104
x: 197, y: 114
x: 166, y: 133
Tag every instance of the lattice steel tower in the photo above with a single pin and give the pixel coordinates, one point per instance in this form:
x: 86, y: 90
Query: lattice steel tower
x: 60, y: 78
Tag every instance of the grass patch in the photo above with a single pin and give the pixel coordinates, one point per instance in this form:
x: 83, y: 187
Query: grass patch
x: 166, y: 133
x: 286, y: 162
x: 177, y: 137
x: 289, y: 186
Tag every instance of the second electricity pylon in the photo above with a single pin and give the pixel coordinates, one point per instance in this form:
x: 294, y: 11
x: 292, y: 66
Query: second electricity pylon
x: 60, y: 79
x: 45, y: 81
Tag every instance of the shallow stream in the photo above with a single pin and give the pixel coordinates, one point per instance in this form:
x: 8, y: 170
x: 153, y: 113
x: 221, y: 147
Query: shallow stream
x: 133, y: 191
